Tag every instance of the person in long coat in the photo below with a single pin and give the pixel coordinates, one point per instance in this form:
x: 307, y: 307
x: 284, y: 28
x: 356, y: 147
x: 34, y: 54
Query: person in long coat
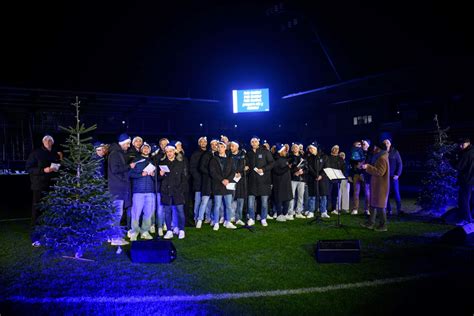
x: 206, y: 187
x: 197, y: 178
x: 380, y: 186
x: 259, y: 165
x: 281, y: 179
x: 240, y: 193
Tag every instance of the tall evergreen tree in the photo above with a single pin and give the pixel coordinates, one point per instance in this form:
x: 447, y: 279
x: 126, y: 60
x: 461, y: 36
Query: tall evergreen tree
x: 439, y: 188
x: 78, y: 212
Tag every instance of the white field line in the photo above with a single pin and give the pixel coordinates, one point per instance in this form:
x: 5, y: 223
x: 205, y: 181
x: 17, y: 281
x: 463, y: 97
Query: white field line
x: 213, y: 297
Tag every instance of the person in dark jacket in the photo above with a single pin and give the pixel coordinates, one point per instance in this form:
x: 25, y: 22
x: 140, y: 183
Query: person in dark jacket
x: 118, y: 180
x: 206, y: 186
x: 299, y: 169
x: 259, y: 164
x: 221, y: 170
x: 158, y: 217
x: 100, y: 155
x: 42, y: 172
x: 172, y: 188
x: 134, y: 151
x: 465, y: 168
x: 240, y: 193
x: 335, y: 162
x: 281, y: 179
x: 143, y: 190
x: 319, y: 181
x: 196, y: 177
x: 395, y: 167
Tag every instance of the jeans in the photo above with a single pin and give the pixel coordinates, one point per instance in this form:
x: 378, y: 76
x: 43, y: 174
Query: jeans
x: 197, y: 204
x: 359, y: 181
x: 311, y: 204
x: 323, y: 205
x: 118, y: 206
x: 251, y: 206
x: 282, y: 207
x: 142, y: 202
x: 160, y: 217
x: 306, y: 198
x: 238, y: 207
x: 395, y: 192
x: 168, y: 209
x: 205, y: 207
x: 466, y: 201
x: 297, y: 186
x: 218, y: 207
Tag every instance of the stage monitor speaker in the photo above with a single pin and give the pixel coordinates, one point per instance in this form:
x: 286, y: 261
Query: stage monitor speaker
x: 153, y: 251
x: 338, y: 251
x: 460, y: 235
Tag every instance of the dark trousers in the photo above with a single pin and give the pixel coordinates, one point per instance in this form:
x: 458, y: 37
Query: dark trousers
x: 466, y: 201
x: 395, y: 193
x: 333, y: 193
x: 282, y: 207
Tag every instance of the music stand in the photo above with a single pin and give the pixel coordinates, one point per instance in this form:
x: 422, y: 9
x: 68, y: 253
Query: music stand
x: 338, y: 176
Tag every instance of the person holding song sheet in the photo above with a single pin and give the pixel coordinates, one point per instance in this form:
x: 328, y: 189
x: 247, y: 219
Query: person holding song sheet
x: 240, y: 193
x: 379, y: 184
x: 335, y: 162
x: 299, y: 168
x: 281, y: 178
x: 221, y: 170
x: 143, y: 190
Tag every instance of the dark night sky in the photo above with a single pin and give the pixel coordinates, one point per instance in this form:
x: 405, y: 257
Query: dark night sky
x: 204, y: 49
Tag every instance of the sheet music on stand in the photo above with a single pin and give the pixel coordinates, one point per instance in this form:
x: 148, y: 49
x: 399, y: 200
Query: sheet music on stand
x: 334, y: 174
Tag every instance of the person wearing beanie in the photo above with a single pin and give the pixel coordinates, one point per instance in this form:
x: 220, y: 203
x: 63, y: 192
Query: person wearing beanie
x: 318, y: 182
x: 100, y: 155
x: 299, y: 170
x: 143, y: 198
x: 42, y: 172
x: 206, y: 186
x: 197, y: 179
x: 379, y: 184
x: 395, y: 167
x: 465, y: 168
x: 335, y: 162
x: 158, y: 217
x: 259, y: 163
x: 240, y: 192
x: 134, y: 150
x: 172, y: 188
x: 281, y: 179
x: 222, y: 172
x: 118, y: 180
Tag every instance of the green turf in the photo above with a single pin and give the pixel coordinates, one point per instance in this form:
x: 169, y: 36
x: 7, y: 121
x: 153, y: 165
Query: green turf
x: 280, y: 256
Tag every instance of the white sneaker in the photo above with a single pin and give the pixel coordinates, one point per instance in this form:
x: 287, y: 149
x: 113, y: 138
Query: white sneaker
x: 176, y: 230
x: 264, y: 223
x: 216, y: 227
x: 335, y: 212
x: 168, y: 235
x: 119, y: 242
x: 164, y: 227
x: 306, y: 213
x: 133, y: 236
x: 275, y: 216
x: 229, y: 225
x: 181, y: 234
x: 289, y: 217
x: 354, y: 212
x: 36, y: 244
x: 160, y: 232
x: 239, y: 222
x: 281, y: 218
x: 250, y: 222
x: 152, y: 229
x: 269, y: 217
x: 325, y: 215
x: 299, y: 215
x: 221, y: 220
x: 310, y: 215
x: 258, y: 217
x: 146, y: 235
x: 367, y: 212
x: 199, y: 224
x: 232, y: 219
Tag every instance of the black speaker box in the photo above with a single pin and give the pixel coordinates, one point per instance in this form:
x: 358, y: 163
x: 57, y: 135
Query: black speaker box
x: 153, y: 251
x: 338, y: 251
x: 460, y: 235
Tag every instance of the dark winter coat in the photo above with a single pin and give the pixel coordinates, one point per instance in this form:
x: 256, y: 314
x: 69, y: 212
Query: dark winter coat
x: 380, y: 180
x: 117, y: 170
x: 221, y: 168
x: 142, y: 184
x: 194, y: 170
x: 395, y: 163
x: 465, y: 167
x: 238, y: 161
x: 281, y: 178
x: 262, y: 159
x: 37, y: 161
x: 206, y: 187
x: 173, y: 183
x: 157, y: 160
x: 336, y: 162
x: 132, y: 154
x: 294, y: 161
x: 180, y: 156
x: 316, y: 164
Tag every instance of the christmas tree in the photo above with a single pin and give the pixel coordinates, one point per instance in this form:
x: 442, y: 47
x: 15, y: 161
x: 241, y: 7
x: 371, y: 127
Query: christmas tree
x: 78, y: 213
x: 439, y: 188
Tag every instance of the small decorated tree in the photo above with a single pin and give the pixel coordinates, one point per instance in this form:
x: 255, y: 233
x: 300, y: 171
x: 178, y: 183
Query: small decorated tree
x: 439, y: 188
x: 78, y: 213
